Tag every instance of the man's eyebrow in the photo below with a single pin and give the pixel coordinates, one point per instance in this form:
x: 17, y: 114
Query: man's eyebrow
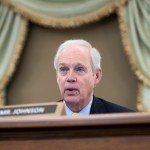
x: 62, y: 64
x: 75, y: 65
x: 79, y: 64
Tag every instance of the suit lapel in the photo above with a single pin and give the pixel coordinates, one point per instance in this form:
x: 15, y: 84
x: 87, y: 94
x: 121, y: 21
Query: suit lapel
x: 97, y: 106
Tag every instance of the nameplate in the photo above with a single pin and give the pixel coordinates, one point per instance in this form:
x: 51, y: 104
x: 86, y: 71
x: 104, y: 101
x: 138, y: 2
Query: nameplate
x: 28, y: 110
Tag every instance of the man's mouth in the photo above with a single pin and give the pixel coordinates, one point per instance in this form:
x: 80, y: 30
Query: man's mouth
x: 71, y: 91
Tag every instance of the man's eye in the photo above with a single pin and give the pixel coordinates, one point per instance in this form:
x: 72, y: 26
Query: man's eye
x: 80, y: 69
x: 63, y: 69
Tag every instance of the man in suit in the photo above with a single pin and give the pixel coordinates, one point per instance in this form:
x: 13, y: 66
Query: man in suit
x: 78, y: 70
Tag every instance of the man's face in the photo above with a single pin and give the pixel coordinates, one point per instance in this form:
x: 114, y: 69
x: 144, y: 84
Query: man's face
x: 75, y: 77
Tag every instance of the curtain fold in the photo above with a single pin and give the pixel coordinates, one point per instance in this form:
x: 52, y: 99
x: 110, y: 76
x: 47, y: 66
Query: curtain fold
x: 134, y: 21
x: 62, y: 13
x: 63, y: 8
x: 139, y: 32
x: 12, y: 27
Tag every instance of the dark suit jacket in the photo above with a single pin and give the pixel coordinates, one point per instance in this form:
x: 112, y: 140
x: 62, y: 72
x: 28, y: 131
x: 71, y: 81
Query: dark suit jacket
x: 102, y: 106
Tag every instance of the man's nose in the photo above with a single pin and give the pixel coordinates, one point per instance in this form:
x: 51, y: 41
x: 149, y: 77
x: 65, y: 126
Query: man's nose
x: 71, y: 76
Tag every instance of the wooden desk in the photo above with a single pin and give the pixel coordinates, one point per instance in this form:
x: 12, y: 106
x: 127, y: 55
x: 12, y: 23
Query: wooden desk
x: 129, y: 131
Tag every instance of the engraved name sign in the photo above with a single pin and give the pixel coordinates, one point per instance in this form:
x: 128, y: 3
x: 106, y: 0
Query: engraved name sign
x: 28, y: 110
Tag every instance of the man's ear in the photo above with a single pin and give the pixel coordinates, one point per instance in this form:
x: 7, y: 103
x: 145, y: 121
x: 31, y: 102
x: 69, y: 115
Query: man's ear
x: 98, y: 76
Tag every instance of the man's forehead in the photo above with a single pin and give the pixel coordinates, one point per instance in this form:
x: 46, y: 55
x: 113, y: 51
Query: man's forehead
x: 76, y: 55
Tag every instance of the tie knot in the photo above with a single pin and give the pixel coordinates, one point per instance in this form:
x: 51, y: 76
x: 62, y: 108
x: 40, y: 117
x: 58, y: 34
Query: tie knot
x: 74, y: 114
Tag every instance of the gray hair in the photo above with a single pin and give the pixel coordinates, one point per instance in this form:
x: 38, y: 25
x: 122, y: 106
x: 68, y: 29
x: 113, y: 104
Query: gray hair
x: 95, y: 54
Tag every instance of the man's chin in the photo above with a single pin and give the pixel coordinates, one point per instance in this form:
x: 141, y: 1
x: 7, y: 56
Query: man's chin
x: 71, y: 99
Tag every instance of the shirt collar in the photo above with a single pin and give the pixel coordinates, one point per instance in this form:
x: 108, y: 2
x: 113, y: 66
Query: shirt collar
x: 84, y: 111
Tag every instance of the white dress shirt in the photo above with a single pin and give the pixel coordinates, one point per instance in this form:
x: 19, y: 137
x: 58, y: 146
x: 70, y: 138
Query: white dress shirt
x: 84, y: 111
